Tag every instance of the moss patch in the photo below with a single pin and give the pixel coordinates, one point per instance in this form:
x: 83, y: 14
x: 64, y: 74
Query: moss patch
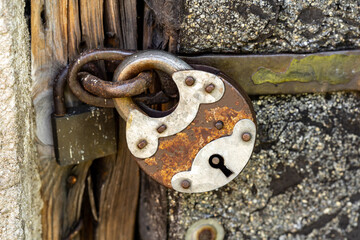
x: 334, y: 69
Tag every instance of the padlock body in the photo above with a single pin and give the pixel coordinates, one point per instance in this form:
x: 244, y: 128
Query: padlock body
x: 201, y: 144
x: 176, y: 153
x: 84, y: 133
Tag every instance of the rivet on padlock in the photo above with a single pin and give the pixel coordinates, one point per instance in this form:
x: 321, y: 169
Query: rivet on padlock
x: 81, y: 133
x: 193, y: 153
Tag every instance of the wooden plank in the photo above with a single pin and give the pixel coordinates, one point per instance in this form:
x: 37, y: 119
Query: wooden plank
x: 165, y: 19
x: 153, y: 210
x: 74, y: 30
x: 116, y: 179
x: 60, y: 31
x: 47, y: 28
x: 128, y: 23
x: 91, y: 13
x: 154, y: 36
x: 121, y: 23
x: 62, y: 187
x: 57, y: 37
x: 112, y: 23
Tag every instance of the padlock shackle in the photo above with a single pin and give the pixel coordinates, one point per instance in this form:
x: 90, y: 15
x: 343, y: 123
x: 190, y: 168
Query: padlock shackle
x: 60, y: 83
x: 84, y: 58
x: 142, y: 61
x: 58, y: 92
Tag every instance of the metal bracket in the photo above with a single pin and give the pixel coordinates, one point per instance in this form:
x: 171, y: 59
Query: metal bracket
x: 288, y: 73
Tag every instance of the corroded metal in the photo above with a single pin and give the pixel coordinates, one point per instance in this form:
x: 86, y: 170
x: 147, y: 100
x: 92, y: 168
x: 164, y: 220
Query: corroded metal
x: 176, y: 153
x: 140, y: 126
x: 246, y: 136
x: 205, y: 229
x: 185, y: 184
x: 58, y: 92
x: 289, y: 73
x: 219, y: 161
x: 108, y: 89
x: 60, y: 84
x: 81, y: 133
x: 84, y: 133
x: 150, y: 99
x: 84, y: 58
x: 142, y: 61
x: 189, y: 81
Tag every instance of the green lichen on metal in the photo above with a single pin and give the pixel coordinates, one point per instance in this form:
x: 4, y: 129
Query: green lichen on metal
x: 333, y: 69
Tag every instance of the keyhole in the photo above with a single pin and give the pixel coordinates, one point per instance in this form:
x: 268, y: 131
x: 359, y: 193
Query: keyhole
x: 217, y: 161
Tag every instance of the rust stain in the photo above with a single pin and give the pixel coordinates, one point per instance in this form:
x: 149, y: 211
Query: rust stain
x: 224, y: 113
x: 151, y: 161
x: 185, y: 145
x: 176, y: 153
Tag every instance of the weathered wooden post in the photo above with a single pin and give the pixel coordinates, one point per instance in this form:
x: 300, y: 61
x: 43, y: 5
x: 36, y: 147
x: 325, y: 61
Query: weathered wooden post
x: 59, y: 32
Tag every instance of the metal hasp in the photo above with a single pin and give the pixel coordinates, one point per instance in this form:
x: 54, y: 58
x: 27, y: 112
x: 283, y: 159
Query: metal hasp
x: 84, y: 133
x: 176, y: 149
x: 288, y: 73
x: 81, y: 133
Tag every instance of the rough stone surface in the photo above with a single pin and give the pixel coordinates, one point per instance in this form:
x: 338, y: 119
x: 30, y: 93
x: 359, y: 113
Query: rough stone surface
x: 20, y: 202
x: 301, y: 182
x: 257, y: 26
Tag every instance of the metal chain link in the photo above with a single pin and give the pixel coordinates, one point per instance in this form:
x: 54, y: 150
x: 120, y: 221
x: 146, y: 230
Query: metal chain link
x: 85, y: 79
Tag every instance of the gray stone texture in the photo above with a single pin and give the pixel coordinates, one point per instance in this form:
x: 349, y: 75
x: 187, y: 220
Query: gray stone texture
x: 302, y: 181
x: 263, y: 26
x: 20, y: 202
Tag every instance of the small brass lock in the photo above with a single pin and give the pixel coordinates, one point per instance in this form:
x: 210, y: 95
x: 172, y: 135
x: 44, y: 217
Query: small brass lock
x: 204, y: 142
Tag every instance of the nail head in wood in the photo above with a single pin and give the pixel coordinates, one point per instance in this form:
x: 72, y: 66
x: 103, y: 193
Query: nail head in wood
x: 71, y: 179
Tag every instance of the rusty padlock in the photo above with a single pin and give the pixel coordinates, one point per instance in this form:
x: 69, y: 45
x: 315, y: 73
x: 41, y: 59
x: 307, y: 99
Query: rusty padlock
x: 204, y: 142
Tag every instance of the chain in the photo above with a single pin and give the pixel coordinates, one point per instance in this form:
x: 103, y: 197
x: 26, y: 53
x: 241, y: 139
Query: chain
x: 86, y: 81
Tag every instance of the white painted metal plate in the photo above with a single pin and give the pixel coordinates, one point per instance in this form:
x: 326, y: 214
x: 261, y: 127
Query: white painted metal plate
x: 142, y: 127
x: 233, y: 149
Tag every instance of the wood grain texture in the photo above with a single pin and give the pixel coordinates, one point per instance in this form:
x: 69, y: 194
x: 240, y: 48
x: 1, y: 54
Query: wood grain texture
x: 49, y: 48
x: 74, y: 29
x: 121, y: 24
x: 116, y: 189
x: 154, y: 36
x: 153, y: 210
x: 60, y: 30
x: 91, y: 14
x: 128, y: 23
x: 112, y: 26
x: 116, y: 178
x: 48, y: 43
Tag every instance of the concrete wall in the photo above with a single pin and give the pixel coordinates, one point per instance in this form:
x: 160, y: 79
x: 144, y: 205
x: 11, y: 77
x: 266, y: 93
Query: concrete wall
x: 263, y: 26
x: 302, y: 181
x: 20, y: 202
